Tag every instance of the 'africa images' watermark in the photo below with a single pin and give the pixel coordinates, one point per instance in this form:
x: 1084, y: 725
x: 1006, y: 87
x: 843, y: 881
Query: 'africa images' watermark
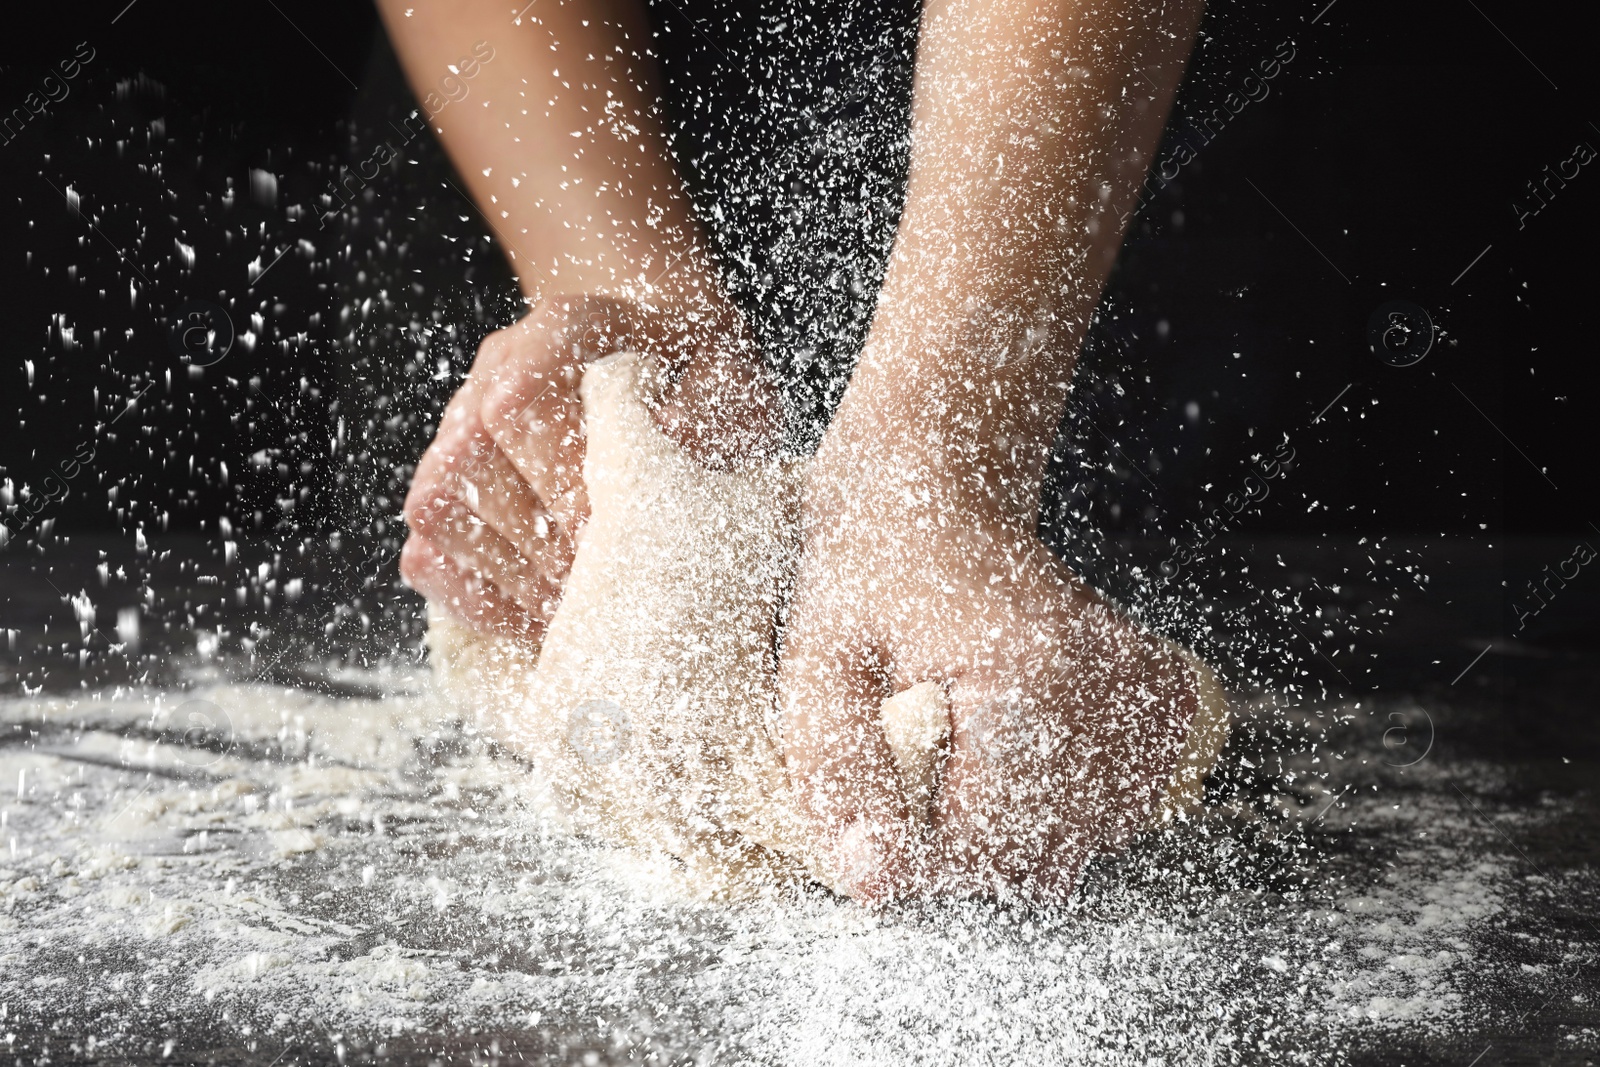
x: 1541, y: 191
x: 598, y: 731
x: 1400, y: 333
x: 1398, y: 738
x: 28, y: 503
x: 1551, y: 182
x: 202, y: 333
x: 454, y: 86
x: 52, y: 90
x: 202, y: 729
x: 1582, y: 555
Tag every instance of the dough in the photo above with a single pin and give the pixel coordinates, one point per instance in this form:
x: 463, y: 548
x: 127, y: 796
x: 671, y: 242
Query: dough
x: 648, y: 713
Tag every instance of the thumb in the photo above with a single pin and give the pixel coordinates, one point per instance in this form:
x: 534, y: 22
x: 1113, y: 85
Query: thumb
x: 535, y: 418
x: 840, y: 763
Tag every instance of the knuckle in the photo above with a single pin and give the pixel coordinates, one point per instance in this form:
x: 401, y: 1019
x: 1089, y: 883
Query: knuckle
x: 418, y: 561
x: 510, y: 404
x: 425, y: 511
x: 493, y: 348
x: 506, y: 345
x: 422, y: 490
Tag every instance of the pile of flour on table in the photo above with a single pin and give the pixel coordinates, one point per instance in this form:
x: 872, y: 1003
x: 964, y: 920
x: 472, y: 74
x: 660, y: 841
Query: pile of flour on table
x: 259, y: 869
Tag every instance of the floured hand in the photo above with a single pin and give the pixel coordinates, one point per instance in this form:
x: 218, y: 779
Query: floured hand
x: 498, y: 497
x: 1067, y: 718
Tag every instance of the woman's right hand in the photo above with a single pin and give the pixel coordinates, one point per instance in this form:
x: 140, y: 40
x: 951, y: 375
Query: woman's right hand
x: 1067, y: 718
x: 498, y: 497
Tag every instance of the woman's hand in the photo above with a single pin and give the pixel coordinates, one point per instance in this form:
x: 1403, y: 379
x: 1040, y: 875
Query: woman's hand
x: 1067, y: 718
x: 562, y: 149
x: 1032, y: 126
x: 498, y: 497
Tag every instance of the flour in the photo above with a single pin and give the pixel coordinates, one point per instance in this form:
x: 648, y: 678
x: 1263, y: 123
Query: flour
x: 347, y: 874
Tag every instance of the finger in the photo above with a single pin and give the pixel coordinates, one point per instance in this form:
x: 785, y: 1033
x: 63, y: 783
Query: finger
x: 461, y: 593
x: 533, y: 414
x: 451, y: 527
x: 461, y: 474
x: 461, y: 444
x: 840, y: 763
x: 992, y: 821
x: 494, y: 491
x: 1145, y: 741
x: 1064, y: 763
x: 1126, y: 708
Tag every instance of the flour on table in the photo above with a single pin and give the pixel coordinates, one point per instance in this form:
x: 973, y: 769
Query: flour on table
x: 435, y: 911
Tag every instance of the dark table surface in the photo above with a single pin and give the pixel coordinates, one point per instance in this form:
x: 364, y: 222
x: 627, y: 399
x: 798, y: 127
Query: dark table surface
x: 1400, y: 863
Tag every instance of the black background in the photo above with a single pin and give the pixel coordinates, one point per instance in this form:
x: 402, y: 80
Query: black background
x: 1386, y: 158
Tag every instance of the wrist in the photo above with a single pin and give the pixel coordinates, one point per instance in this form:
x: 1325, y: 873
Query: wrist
x: 972, y: 399
x: 673, y: 266
x: 664, y: 281
x: 889, y: 446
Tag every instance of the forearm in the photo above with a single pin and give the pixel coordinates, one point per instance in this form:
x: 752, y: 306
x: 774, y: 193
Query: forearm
x: 559, y: 142
x: 1033, y: 122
